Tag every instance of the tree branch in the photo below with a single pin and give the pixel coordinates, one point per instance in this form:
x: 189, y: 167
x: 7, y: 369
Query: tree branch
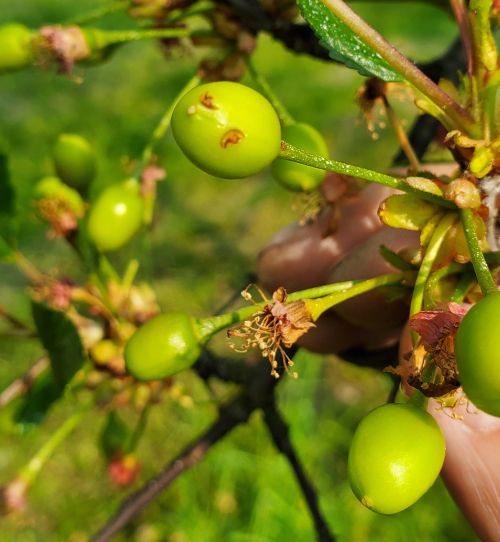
x: 279, y: 432
x: 230, y: 416
x: 22, y: 384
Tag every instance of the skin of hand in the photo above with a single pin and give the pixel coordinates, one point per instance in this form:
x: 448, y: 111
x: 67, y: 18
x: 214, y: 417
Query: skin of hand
x: 471, y: 468
x: 303, y: 256
x: 300, y: 257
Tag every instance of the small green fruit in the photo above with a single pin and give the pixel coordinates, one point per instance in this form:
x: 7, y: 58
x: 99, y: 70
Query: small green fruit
x: 15, y: 47
x: 53, y: 188
x: 396, y: 455
x: 162, y: 347
x: 227, y: 129
x: 116, y: 216
x: 74, y: 160
x: 477, y: 350
x: 298, y: 177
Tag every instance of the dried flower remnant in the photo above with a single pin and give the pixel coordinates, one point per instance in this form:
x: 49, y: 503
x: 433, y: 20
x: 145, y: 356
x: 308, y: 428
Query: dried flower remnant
x: 278, y: 325
x: 436, y: 351
x: 63, y: 45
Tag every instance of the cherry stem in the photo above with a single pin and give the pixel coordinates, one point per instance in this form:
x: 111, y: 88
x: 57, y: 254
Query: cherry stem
x: 317, y: 307
x: 460, y: 13
x: 328, y: 294
x: 451, y: 109
x: 100, y: 12
x: 403, y: 140
x: 483, y: 274
x: 112, y: 37
x: 30, y: 471
x: 285, y: 117
x: 294, y: 154
x: 430, y: 256
x: 28, y: 269
x: 162, y: 126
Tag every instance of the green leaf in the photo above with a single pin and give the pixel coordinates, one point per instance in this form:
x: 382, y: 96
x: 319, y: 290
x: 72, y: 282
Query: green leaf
x: 406, y: 211
x: 395, y: 259
x: 115, y: 436
x: 38, y: 400
x: 8, y: 224
x: 60, y: 338
x: 5, y: 249
x: 342, y: 43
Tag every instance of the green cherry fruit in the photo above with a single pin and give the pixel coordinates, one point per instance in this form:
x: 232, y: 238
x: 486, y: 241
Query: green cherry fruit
x: 74, y: 160
x: 162, y: 347
x: 227, y: 129
x: 116, y: 216
x: 15, y: 47
x: 53, y: 188
x: 477, y: 351
x: 298, y: 177
x: 396, y: 455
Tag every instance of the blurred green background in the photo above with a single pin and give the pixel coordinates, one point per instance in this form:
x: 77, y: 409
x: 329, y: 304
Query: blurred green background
x: 207, y: 234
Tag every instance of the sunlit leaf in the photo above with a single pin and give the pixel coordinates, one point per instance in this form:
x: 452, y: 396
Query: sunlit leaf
x: 342, y: 43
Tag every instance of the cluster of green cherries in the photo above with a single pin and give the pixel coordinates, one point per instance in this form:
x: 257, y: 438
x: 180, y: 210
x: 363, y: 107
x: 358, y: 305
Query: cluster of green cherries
x: 231, y: 131
x: 114, y: 217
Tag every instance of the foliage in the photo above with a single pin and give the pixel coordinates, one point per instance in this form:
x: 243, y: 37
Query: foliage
x: 193, y: 242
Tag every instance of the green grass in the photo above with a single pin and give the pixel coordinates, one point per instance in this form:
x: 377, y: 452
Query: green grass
x: 207, y: 233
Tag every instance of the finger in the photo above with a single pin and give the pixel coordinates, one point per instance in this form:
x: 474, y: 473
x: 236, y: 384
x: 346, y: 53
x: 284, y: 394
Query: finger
x: 300, y: 257
x: 332, y: 334
x: 382, y: 308
x: 471, y: 468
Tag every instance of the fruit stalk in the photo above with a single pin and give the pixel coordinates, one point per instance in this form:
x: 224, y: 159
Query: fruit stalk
x: 428, y: 261
x: 289, y: 152
x: 484, y: 277
x: 327, y: 296
x: 285, y: 118
x: 451, y: 109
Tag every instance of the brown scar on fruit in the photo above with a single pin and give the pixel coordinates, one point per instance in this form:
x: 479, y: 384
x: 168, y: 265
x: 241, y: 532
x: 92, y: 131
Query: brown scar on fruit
x: 207, y: 100
x: 231, y: 138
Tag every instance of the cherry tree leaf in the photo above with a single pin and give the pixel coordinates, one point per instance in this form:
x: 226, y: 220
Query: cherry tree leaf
x: 342, y: 43
x: 62, y: 341
x: 8, y: 224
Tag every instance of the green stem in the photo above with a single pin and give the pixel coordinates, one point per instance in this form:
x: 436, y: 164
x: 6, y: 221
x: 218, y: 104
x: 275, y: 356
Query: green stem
x: 285, y: 118
x: 37, y: 462
x: 317, y: 307
x: 463, y: 286
x: 401, y: 136
x: 100, y: 12
x: 430, y: 256
x: 139, y: 429
x: 460, y: 117
x: 105, y: 38
x: 330, y: 295
x: 434, y: 278
x: 484, y: 277
x: 163, y: 125
x: 156, y: 136
x: 199, y: 8
x: 28, y: 269
x: 294, y: 154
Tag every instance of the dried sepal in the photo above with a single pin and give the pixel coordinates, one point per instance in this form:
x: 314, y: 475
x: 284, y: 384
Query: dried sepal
x: 431, y: 366
x: 272, y: 329
x: 62, y: 45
